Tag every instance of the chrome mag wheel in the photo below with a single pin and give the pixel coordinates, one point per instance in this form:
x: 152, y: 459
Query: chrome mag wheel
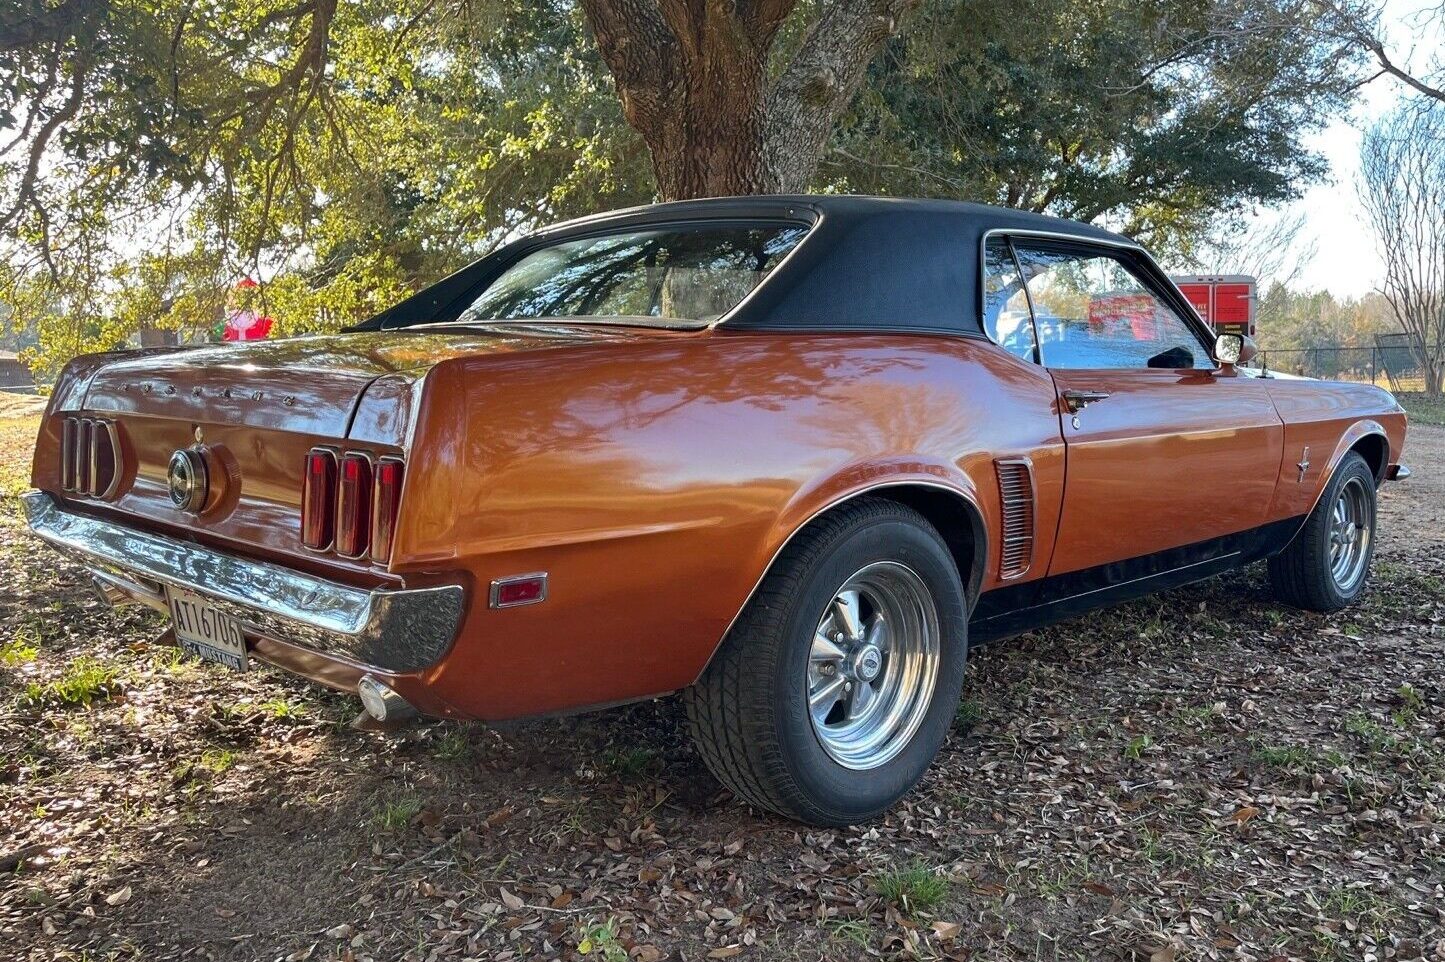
x: 873, y: 665
x: 1350, y: 524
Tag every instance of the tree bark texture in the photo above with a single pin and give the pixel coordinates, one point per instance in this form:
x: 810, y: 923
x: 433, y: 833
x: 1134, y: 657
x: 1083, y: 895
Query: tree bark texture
x: 693, y: 79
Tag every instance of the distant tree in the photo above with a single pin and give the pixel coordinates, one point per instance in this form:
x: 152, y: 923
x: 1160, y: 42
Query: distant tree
x: 1402, y: 186
x: 1274, y: 251
x: 1293, y: 321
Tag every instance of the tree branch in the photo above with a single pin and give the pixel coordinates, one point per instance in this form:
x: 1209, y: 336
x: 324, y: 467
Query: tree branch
x: 821, y: 79
x: 25, y: 193
x: 1355, y: 26
x: 642, y: 52
x: 36, y: 23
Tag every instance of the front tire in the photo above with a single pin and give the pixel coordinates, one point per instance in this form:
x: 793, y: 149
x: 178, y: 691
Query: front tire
x: 834, y: 690
x: 1326, y: 566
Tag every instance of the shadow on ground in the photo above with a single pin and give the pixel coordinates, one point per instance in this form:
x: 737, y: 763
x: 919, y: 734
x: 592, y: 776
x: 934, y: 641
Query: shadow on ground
x: 1204, y: 774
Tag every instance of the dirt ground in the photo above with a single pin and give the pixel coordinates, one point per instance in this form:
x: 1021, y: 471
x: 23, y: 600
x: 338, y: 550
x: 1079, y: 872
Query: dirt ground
x: 1201, y: 775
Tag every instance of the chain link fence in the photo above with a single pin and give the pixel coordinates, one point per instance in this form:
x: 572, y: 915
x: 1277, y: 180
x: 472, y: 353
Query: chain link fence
x: 1390, y: 363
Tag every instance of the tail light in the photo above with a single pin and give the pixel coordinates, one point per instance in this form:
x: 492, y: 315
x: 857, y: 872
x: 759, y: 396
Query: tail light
x: 353, y: 506
x: 104, y: 458
x: 385, y: 503
x: 82, y: 455
x: 349, y: 504
x: 69, y: 439
x: 89, y: 456
x: 318, y: 499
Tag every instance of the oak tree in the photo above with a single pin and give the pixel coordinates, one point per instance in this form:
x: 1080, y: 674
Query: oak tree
x: 345, y: 151
x: 697, y: 81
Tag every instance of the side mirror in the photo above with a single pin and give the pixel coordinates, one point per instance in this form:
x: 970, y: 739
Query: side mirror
x: 1233, y: 349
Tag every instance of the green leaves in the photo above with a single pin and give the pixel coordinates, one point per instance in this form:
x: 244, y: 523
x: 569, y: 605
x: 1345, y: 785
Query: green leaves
x: 342, y: 154
x: 1158, y: 117
x: 347, y: 153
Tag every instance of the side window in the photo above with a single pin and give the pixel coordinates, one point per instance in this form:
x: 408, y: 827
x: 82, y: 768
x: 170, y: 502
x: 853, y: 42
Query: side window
x: 1005, y: 304
x: 1092, y: 311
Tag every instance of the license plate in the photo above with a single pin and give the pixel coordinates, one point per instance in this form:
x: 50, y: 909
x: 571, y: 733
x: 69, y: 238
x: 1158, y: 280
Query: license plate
x: 205, y: 631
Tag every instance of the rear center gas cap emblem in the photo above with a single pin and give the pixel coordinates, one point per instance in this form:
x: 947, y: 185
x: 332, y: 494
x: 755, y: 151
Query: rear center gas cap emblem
x: 186, y: 480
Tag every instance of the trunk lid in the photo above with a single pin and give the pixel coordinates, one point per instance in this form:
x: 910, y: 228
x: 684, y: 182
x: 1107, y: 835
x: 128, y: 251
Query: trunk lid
x: 257, y: 409
x: 307, y: 385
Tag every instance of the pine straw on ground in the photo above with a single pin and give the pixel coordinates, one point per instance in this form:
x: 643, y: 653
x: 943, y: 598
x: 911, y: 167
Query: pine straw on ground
x: 1201, y: 775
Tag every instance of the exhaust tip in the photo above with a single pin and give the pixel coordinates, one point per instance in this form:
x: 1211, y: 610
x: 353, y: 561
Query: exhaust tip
x: 381, y: 703
x: 109, y: 592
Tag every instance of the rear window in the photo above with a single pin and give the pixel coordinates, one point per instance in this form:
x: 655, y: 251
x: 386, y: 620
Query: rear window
x: 676, y: 276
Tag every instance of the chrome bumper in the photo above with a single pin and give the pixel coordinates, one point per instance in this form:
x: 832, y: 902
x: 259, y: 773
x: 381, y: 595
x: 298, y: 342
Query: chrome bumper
x: 394, y: 631
x: 1397, y: 472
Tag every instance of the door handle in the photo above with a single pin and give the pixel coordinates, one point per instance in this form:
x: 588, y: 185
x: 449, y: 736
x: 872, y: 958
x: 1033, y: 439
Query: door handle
x: 1076, y: 401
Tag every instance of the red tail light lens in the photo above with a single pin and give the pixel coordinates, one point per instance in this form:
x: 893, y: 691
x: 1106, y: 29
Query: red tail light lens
x: 353, y: 506
x: 318, y: 499
x: 349, y: 503
x: 384, y: 508
x: 103, y: 462
x: 519, y: 590
x: 69, y: 441
x: 83, y: 444
x: 89, y: 456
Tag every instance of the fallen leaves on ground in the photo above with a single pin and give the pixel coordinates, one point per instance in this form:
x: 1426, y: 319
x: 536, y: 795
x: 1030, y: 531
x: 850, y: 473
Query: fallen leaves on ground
x: 1200, y: 775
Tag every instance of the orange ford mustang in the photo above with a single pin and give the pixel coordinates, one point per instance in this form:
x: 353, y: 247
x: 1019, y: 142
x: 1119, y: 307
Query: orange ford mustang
x: 788, y: 455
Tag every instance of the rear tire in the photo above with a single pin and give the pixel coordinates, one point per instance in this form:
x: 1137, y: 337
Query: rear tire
x: 1326, y: 566
x: 833, y: 692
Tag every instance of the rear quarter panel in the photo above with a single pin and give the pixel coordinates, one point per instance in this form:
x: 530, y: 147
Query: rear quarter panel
x: 655, y: 481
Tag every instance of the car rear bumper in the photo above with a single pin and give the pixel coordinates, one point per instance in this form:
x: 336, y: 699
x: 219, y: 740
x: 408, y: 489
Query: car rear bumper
x: 398, y: 632
x: 1397, y: 472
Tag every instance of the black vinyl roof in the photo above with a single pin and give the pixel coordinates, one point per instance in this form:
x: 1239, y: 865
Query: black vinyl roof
x: 867, y: 263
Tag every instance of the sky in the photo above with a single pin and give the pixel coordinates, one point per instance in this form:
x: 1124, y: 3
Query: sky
x: 1345, y: 260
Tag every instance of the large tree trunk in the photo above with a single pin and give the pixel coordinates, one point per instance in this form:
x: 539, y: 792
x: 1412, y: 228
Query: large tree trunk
x: 693, y: 78
x: 709, y: 142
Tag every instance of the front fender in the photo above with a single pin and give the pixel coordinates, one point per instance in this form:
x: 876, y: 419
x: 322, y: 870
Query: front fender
x: 1323, y: 422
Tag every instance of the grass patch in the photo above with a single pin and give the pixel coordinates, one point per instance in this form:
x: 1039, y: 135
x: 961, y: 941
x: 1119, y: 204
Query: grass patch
x: 1372, y: 732
x: 600, y: 939
x: 279, y: 708
x: 1053, y: 884
x: 84, y: 680
x: 1358, y: 906
x: 850, y: 930
x: 913, y: 888
x: 1410, y: 705
x: 217, y: 760
x: 455, y: 744
x: 1281, y: 756
x: 1197, y: 714
x: 968, y: 715
x: 1155, y: 849
x: 17, y: 651
x: 17, y: 441
x: 628, y: 763
x: 1137, y: 746
x: 396, y: 814
x: 1421, y: 408
x: 170, y: 659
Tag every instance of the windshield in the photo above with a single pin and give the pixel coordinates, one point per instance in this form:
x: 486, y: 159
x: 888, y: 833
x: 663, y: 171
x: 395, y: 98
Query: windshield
x: 677, y: 276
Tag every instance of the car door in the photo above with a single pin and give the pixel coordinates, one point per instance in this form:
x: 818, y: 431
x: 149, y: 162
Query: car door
x: 1163, y: 450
